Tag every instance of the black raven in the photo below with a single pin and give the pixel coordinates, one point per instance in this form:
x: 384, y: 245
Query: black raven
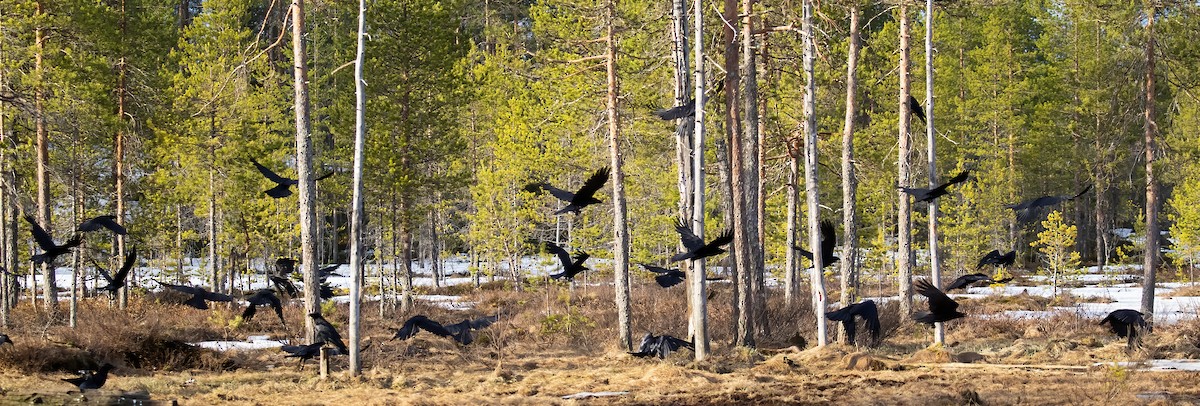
x: 328, y: 334
x: 283, y: 285
x: 91, y: 380
x: 660, y: 346
x: 966, y: 280
x: 417, y: 323
x: 200, y: 297
x: 941, y: 307
x: 1031, y: 209
x: 914, y: 106
x: 828, y: 242
x: 927, y: 195
x: 865, y: 309
x: 462, y: 330
x: 304, y: 352
x: 96, y: 223
x: 264, y: 297
x: 1125, y: 323
x: 570, y: 267
x: 117, y: 281
x: 5, y: 340
x: 50, y: 251
x: 995, y: 258
x: 686, y: 110
x: 696, y: 248
x: 578, y: 200
x: 666, y: 277
x: 282, y: 185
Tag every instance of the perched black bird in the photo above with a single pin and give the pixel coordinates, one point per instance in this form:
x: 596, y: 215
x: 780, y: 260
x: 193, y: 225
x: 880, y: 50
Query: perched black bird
x: 264, y: 297
x: 995, y: 258
x: 696, y: 248
x: 865, y: 309
x: 686, y: 110
x: 200, y: 297
x: 117, y: 281
x: 578, y: 200
x: 941, y: 307
x: 417, y: 323
x: 927, y: 195
x: 282, y: 185
x: 660, y: 346
x: 328, y: 334
x: 50, y: 251
x: 95, y: 223
x: 284, y: 285
x: 570, y: 268
x: 666, y: 277
x: 915, y: 107
x: 1125, y: 323
x: 828, y: 242
x: 1031, y: 209
x: 304, y: 352
x: 5, y: 340
x: 966, y: 280
x: 462, y: 330
x: 91, y: 380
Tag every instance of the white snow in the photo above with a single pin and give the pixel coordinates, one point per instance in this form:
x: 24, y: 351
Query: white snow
x: 1157, y: 365
x: 251, y: 343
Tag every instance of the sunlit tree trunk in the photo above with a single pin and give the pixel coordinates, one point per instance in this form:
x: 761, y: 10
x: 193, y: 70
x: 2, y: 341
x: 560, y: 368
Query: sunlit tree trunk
x: 620, y: 226
x: 849, y: 260
x: 904, y: 222
x: 935, y: 258
x: 698, y: 299
x: 810, y: 174
x: 1150, y: 262
x: 356, y: 207
x: 304, y: 168
x: 50, y: 286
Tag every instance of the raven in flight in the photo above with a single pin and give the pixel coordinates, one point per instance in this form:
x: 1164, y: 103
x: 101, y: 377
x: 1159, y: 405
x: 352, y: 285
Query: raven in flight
x: 200, y: 297
x: 304, y: 352
x: 570, y: 267
x: 967, y: 280
x: 927, y: 195
x: 50, y: 250
x: 96, y: 223
x: 995, y: 258
x: 828, y: 242
x: 686, y: 110
x: 117, y: 281
x: 1031, y: 209
x: 264, y: 297
x: 941, y: 307
x: 461, y: 331
x: 666, y: 277
x: 865, y: 309
x: 282, y: 185
x: 578, y: 200
x: 660, y: 346
x: 696, y: 248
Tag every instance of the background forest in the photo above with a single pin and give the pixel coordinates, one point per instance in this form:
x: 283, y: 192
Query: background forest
x: 154, y: 111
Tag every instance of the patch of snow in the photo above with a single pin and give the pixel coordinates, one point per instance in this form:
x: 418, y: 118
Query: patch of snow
x: 251, y: 343
x: 1158, y: 365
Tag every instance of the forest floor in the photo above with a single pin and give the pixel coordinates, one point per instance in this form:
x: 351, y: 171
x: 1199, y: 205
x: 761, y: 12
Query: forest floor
x: 553, y: 341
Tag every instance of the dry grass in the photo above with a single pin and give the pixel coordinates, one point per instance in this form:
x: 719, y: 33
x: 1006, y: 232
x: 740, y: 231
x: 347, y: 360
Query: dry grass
x: 554, y: 341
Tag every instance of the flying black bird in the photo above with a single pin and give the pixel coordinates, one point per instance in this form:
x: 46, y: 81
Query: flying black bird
x: 995, y: 258
x: 578, y: 200
x: 570, y: 268
x: 941, y: 307
x: 660, y: 346
x: 283, y: 285
x: 1031, y: 209
x: 264, y: 297
x: 696, y: 248
x: 328, y: 334
x: 967, y: 280
x: 417, y: 323
x: 91, y: 380
x: 282, y: 185
x: 927, y: 195
x: 462, y: 330
x: 666, y: 277
x: 328, y: 271
x: 828, y: 242
x: 326, y: 291
x: 95, y: 223
x: 285, y: 266
x: 117, y: 281
x: 1125, y: 323
x: 200, y: 297
x: 50, y: 251
x: 915, y: 107
x: 865, y: 309
x: 686, y: 110
x: 304, y: 352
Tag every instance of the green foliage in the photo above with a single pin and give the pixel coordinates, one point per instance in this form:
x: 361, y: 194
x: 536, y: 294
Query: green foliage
x: 1056, y: 246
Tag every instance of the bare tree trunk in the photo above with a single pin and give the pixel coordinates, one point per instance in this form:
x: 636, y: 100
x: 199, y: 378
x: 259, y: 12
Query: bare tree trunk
x: 406, y: 254
x: 791, y: 284
x: 697, y: 299
x: 43, y: 158
x: 119, y: 160
x: 304, y: 165
x: 810, y: 174
x: 356, y: 206
x: 935, y: 258
x: 743, y: 306
x: 684, y: 126
x: 620, y: 226
x: 1151, y: 126
x: 849, y: 283
x: 435, y: 271
x: 76, y: 258
x: 212, y: 230
x: 7, y: 239
x: 752, y: 182
x: 904, y: 222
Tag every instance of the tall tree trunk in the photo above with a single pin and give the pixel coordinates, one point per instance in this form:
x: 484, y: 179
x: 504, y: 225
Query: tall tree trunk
x: 7, y: 247
x: 810, y: 174
x: 212, y: 230
x: 406, y: 254
x: 904, y: 221
x: 698, y: 299
x: 743, y: 306
x: 1150, y: 263
x: 119, y: 158
x: 791, y: 277
x: 76, y: 257
x: 304, y: 156
x: 356, y: 206
x: 620, y: 226
x: 43, y: 157
x: 684, y: 126
x: 849, y: 282
x: 751, y: 181
x: 935, y: 258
